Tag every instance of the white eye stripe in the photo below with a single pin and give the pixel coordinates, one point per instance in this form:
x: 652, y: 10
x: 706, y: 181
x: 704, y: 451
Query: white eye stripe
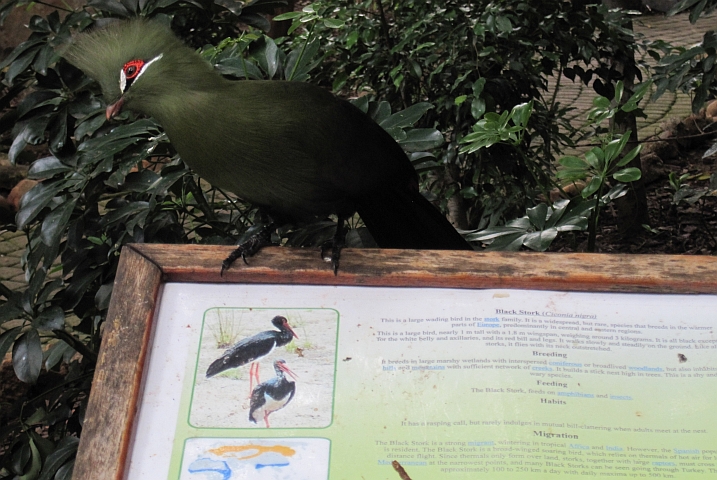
x: 144, y: 67
x: 123, y: 76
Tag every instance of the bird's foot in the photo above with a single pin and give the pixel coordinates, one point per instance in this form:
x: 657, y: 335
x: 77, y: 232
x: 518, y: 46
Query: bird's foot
x: 248, y: 248
x: 336, y: 244
x: 334, y: 256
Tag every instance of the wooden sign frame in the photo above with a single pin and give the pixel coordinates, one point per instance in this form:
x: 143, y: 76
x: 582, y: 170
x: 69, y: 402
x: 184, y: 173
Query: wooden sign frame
x: 110, y: 417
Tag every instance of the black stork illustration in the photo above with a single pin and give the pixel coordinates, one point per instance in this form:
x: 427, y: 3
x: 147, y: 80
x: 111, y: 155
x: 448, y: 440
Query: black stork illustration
x: 272, y: 395
x: 252, y: 348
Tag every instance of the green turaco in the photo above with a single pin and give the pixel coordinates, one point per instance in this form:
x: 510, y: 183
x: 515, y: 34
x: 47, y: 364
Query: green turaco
x: 291, y: 148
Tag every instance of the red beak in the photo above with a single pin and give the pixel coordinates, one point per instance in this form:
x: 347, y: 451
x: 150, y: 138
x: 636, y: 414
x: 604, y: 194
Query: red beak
x: 286, y: 369
x: 286, y: 324
x: 114, y: 109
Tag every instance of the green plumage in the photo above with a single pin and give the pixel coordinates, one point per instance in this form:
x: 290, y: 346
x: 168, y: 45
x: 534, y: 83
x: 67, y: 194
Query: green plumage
x: 290, y: 147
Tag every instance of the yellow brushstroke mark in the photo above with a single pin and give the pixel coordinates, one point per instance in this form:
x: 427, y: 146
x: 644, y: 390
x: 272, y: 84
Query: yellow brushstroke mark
x: 501, y: 295
x: 254, y: 451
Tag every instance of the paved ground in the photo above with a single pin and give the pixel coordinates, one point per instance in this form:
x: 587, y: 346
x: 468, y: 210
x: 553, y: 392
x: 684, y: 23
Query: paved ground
x: 12, y: 246
x: 676, y: 30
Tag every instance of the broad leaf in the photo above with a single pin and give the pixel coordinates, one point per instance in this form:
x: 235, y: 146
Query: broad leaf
x: 540, y: 241
x: 66, y: 449
x: 36, y: 199
x: 631, y: 174
x: 27, y: 356
x: 52, y: 318
x: 572, y: 162
x: 407, y: 117
x: 421, y: 139
x: 7, y: 338
x: 55, y: 223
x: 46, y: 167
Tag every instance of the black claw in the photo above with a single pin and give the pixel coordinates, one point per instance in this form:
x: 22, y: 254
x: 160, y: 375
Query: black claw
x: 336, y: 243
x: 249, y: 248
x: 335, y: 254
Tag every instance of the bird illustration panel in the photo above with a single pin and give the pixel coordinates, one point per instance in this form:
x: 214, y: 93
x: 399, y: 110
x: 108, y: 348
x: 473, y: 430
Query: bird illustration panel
x: 266, y: 368
x: 255, y: 459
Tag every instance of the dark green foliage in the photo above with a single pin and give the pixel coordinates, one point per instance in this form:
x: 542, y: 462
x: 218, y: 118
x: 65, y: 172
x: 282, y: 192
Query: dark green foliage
x: 103, y: 185
x: 688, y: 69
x: 107, y: 184
x: 470, y: 58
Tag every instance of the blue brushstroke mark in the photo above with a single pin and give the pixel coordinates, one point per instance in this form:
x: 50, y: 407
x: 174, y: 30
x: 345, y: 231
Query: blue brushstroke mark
x: 261, y: 465
x: 202, y: 465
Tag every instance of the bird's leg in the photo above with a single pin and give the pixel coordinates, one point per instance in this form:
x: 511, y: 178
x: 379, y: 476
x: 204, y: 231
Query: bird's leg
x: 336, y: 243
x: 248, y: 248
x: 266, y: 419
x: 253, y: 373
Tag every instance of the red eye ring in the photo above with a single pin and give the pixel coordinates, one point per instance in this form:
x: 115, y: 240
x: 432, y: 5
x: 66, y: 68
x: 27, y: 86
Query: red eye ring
x: 132, y: 68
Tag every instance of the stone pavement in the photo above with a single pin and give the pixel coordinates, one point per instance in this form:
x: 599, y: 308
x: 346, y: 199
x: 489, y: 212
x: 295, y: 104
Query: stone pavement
x: 12, y: 246
x: 676, y: 30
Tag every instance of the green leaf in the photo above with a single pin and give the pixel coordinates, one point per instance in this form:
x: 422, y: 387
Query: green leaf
x: 52, y: 318
x: 112, y: 6
x: 78, y: 285
x: 613, y: 149
x: 619, y: 88
x: 601, y: 102
x: 351, y: 39
x: 537, y: 215
x: 7, y: 338
x: 66, y: 449
x: 46, y: 167
x: 56, y: 353
x: 595, y: 158
x: 121, y: 214
x: 460, y: 99
x: 520, y: 114
x: 421, y: 139
x: 507, y: 243
x: 592, y: 186
x: 37, y: 198
x: 65, y: 471
x: 629, y: 156
x: 35, y: 463
x: 407, y: 117
x: 504, y: 24
x: 287, y: 16
x: 20, y: 65
x: 631, y: 174
x: 29, y: 132
x: 615, y: 192
x: 90, y: 125
x: 572, y: 162
x: 540, y: 241
x: 267, y: 55
x: 478, y: 86
x: 477, y: 108
x: 468, y: 192
x: 236, y: 68
x: 21, y: 49
x: 379, y: 111
x: 55, y: 223
x: 45, y: 57
x: 333, y: 23
x: 103, y: 296
x: 27, y: 356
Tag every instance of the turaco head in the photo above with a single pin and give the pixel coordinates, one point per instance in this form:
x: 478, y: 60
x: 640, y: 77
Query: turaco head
x: 140, y: 65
